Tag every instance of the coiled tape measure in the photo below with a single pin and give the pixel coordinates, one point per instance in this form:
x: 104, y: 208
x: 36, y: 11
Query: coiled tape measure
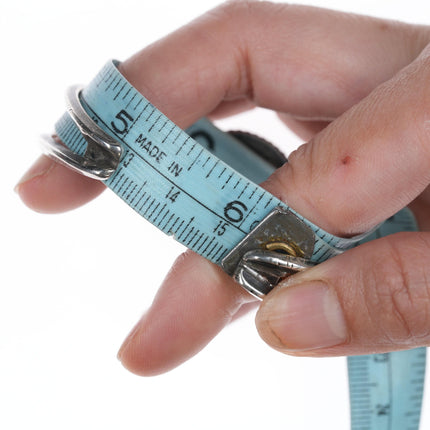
x: 200, y: 187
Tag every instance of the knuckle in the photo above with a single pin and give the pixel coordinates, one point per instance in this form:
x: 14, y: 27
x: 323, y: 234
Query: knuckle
x: 250, y: 12
x: 233, y: 9
x: 398, y: 292
x: 289, y: 181
x: 318, y: 180
x: 422, y: 42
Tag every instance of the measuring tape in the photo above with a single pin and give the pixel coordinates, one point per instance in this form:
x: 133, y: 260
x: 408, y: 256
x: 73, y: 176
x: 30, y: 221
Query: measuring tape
x: 200, y: 187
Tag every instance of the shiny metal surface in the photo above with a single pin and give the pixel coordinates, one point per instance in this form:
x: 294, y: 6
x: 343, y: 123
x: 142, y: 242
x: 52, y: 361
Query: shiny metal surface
x: 279, y: 246
x: 102, y: 154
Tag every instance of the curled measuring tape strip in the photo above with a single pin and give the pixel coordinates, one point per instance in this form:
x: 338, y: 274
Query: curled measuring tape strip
x: 201, y: 188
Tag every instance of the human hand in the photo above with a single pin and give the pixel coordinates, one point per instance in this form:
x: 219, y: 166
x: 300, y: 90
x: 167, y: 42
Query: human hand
x: 368, y: 78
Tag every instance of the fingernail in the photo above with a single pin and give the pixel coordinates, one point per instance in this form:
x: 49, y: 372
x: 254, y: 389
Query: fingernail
x: 39, y: 168
x: 302, y: 317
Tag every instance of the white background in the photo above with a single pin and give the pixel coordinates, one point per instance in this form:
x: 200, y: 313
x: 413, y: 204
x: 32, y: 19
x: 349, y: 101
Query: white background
x: 72, y: 285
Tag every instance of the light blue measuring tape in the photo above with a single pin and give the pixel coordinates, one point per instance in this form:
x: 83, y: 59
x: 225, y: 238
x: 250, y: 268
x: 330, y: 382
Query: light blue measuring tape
x: 189, y: 186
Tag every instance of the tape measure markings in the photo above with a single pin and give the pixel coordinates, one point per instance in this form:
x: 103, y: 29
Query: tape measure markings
x: 133, y: 151
x: 386, y: 390
x: 117, y: 181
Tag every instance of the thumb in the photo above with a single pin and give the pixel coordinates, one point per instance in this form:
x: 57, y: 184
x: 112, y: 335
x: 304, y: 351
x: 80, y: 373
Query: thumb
x: 373, y: 298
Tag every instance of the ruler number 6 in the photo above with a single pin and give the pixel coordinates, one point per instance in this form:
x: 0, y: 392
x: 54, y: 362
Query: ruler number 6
x: 121, y: 126
x: 235, y: 211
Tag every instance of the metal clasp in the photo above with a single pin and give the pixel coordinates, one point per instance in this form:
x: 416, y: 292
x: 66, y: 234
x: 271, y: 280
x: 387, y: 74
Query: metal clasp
x: 103, y: 153
x: 281, y: 245
x: 259, y: 271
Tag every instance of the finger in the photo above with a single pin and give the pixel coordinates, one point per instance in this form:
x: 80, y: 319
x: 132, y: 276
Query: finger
x: 305, y: 129
x: 311, y: 77
x: 180, y: 321
x: 371, y: 299
x: 146, y: 350
x: 370, y: 162
x: 421, y: 209
x: 229, y: 53
x: 49, y: 187
x: 231, y: 107
x: 196, y: 300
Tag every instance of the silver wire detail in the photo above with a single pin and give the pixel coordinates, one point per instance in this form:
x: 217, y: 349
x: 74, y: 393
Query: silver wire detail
x: 102, y: 154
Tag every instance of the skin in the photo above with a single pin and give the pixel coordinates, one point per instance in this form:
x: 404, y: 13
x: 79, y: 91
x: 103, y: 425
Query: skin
x: 357, y: 90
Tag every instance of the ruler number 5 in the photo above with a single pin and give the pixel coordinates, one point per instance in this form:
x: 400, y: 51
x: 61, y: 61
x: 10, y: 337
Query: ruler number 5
x: 121, y: 126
